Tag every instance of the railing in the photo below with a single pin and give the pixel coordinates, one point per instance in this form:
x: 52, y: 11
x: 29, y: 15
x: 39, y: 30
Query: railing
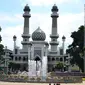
x: 68, y: 74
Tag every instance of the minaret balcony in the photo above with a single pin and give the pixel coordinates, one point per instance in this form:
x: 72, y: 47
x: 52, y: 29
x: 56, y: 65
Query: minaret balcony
x: 54, y: 14
x: 54, y: 43
x: 26, y: 14
x: 26, y: 35
x: 26, y: 43
x: 54, y: 36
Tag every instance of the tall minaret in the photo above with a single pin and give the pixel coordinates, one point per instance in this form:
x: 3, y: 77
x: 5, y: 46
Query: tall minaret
x: 54, y: 43
x: 25, y: 34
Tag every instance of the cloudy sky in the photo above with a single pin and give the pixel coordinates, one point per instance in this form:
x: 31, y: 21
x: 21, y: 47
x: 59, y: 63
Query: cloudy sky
x: 71, y: 16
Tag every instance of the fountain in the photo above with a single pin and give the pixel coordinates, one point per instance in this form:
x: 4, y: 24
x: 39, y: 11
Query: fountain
x: 38, y: 68
x: 32, y: 68
x: 44, y: 68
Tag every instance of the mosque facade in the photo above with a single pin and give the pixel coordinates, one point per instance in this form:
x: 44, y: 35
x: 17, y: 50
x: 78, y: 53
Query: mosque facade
x: 38, y: 47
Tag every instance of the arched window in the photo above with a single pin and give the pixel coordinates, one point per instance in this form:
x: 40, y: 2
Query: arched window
x: 16, y: 58
x: 57, y: 59
x: 24, y: 58
x: 53, y: 59
x: 61, y: 59
x: 19, y: 58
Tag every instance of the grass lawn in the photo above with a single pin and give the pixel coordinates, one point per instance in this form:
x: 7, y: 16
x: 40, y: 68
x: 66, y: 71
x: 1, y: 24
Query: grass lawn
x: 83, y: 79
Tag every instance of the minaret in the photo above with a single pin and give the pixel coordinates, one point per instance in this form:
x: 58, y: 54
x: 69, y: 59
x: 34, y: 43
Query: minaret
x: 63, y: 39
x: 14, y: 39
x: 54, y: 43
x: 25, y: 34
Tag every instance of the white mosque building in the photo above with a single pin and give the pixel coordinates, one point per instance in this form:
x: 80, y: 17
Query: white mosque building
x: 38, y: 47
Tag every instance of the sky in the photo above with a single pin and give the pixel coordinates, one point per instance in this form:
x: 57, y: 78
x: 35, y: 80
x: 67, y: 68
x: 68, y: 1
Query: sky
x: 71, y: 16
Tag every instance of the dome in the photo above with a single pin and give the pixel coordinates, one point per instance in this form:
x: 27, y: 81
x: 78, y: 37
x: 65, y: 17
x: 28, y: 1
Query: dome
x: 54, y: 8
x: 63, y: 37
x: 26, y: 8
x: 14, y: 37
x: 38, y: 35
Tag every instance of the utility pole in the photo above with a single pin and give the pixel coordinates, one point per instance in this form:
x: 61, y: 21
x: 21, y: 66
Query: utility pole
x: 84, y: 37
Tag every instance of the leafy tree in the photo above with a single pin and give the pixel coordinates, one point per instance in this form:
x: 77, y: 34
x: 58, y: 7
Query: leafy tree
x: 59, y: 66
x: 76, y: 49
x: 0, y: 36
x: 1, y: 50
x: 14, y: 65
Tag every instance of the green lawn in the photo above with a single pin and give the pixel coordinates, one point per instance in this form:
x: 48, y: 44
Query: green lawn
x: 83, y: 79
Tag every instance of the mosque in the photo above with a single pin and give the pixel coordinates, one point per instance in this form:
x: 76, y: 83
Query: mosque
x: 38, y: 47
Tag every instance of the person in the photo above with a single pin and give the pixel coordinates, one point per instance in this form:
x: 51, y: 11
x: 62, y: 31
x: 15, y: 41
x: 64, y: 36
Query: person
x: 57, y: 83
x: 49, y: 83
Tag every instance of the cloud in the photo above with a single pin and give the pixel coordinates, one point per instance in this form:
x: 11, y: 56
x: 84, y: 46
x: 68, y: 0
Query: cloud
x: 47, y: 2
x: 67, y: 23
x: 8, y: 33
x: 7, y: 18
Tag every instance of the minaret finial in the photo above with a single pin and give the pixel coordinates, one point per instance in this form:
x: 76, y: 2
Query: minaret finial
x: 55, y: 4
x: 26, y: 4
x: 38, y: 27
x: 26, y: 8
x: 14, y: 38
x: 54, y: 8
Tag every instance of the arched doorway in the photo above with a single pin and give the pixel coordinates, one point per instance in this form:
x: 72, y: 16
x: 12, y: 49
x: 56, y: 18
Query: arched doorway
x: 37, y: 59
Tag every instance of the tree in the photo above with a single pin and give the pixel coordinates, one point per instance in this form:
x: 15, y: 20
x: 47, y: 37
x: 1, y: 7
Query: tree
x: 0, y: 36
x: 1, y: 50
x: 76, y: 49
x: 14, y: 66
x: 59, y: 66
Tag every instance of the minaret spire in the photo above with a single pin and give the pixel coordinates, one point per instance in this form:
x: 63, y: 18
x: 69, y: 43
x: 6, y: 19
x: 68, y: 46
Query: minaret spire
x: 25, y: 34
x: 54, y: 34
